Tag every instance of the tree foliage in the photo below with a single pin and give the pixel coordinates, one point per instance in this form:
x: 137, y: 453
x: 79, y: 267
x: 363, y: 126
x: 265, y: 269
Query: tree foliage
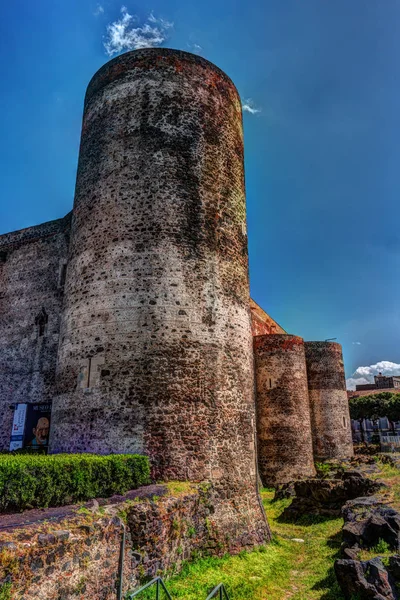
x: 374, y: 406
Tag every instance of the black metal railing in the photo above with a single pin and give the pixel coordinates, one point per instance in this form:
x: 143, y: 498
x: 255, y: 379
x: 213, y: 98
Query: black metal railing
x: 218, y: 592
x: 158, y: 583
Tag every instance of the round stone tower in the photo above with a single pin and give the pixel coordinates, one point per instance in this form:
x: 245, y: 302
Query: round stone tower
x: 283, y: 414
x: 155, y: 350
x: 330, y: 418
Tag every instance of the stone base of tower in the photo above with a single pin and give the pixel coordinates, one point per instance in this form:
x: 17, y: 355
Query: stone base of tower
x: 238, y: 519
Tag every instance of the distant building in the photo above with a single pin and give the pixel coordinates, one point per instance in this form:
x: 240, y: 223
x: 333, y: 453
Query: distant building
x: 382, y: 382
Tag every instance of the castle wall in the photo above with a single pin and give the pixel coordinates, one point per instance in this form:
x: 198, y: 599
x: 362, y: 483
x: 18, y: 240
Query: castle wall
x: 70, y: 554
x: 261, y: 322
x: 156, y: 347
x: 330, y: 417
x: 285, y: 450
x: 31, y: 270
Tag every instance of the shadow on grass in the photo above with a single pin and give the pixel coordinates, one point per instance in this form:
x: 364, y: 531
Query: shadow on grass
x: 306, y: 519
x: 329, y: 584
x: 335, y: 541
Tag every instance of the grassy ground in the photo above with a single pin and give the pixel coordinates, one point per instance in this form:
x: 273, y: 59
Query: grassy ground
x: 282, y: 570
x: 391, y: 476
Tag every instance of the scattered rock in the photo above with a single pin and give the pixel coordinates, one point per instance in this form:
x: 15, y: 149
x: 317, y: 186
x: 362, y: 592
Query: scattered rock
x: 358, y: 508
x: 367, y: 521
x: 299, y: 540
x: 394, y: 566
x: 327, y: 496
x: 350, y: 553
x: 284, y: 491
x: 368, y: 532
x: 367, y: 580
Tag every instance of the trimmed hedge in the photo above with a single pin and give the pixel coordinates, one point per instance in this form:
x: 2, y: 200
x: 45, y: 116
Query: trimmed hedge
x: 28, y: 481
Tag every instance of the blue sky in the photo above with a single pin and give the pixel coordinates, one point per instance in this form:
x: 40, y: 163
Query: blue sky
x: 322, y: 153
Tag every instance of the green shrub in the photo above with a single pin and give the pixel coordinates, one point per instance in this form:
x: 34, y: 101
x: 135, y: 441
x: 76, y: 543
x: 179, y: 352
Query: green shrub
x: 5, y: 591
x: 323, y: 469
x: 381, y: 547
x: 39, y: 481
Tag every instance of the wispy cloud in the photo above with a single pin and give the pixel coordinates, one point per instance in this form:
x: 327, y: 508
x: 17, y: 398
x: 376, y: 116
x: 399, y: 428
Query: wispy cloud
x: 127, y: 34
x: 356, y: 343
x: 365, y: 374
x: 248, y: 106
x: 195, y: 48
x: 99, y: 10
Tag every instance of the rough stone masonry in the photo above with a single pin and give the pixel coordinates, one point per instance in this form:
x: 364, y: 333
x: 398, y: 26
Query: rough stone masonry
x: 132, y: 316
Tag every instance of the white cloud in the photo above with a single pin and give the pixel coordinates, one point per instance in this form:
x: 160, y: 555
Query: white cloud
x: 384, y: 366
x: 356, y: 343
x: 248, y: 106
x: 366, y: 374
x: 195, y: 48
x: 122, y: 35
x: 352, y: 382
x: 99, y: 10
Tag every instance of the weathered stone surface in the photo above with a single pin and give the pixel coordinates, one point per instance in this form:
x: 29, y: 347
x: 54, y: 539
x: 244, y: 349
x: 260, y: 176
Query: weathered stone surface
x: 155, y: 351
x: 159, y: 535
x: 394, y: 566
x: 365, y: 530
x: 286, y: 490
x: 46, y: 540
x: 261, y: 323
x: 327, y: 496
x: 32, y: 268
x: 359, y: 508
x: 282, y: 396
x: 330, y: 417
x: 366, y: 580
x: 61, y: 535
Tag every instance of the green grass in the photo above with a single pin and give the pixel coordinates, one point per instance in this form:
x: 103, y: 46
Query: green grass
x: 281, y: 570
x: 391, y: 476
x: 5, y: 591
x: 382, y: 549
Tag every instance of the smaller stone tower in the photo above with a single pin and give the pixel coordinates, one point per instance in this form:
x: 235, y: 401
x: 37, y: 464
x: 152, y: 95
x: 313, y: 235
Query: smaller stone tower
x: 283, y: 414
x: 330, y: 417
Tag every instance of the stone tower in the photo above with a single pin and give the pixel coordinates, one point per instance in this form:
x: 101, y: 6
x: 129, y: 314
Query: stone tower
x: 330, y: 418
x: 285, y: 450
x: 155, y: 351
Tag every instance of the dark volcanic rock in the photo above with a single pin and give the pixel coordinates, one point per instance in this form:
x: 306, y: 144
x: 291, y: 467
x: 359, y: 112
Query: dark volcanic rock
x: 327, y: 496
x: 394, y: 567
x: 368, y: 532
x: 366, y: 580
x: 359, y: 508
x: 285, y: 490
x: 367, y: 521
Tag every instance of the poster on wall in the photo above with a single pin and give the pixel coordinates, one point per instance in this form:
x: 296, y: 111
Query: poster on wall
x: 18, y: 427
x: 31, y: 426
